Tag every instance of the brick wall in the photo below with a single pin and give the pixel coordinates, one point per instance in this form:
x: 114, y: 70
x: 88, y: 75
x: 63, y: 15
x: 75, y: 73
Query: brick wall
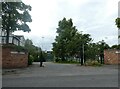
x: 0, y: 56
x: 14, y: 59
x: 111, y: 56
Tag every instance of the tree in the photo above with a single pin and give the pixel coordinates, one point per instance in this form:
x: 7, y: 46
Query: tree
x: 32, y: 49
x: 117, y: 21
x: 102, y: 46
x: 92, y: 51
x: 69, y: 42
x: 42, y: 58
x: 15, y: 16
x: 81, y: 45
x: 115, y: 46
x: 65, y: 31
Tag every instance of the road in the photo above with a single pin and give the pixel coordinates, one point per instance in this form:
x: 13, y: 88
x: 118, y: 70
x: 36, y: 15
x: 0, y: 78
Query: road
x: 62, y: 75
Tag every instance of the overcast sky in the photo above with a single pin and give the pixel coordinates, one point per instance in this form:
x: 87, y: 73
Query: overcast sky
x: 95, y: 17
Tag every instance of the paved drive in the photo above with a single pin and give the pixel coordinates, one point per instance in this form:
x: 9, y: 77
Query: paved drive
x: 61, y: 75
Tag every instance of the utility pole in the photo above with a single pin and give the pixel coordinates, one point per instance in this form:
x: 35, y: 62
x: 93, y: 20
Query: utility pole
x: 42, y: 44
x: 83, y: 54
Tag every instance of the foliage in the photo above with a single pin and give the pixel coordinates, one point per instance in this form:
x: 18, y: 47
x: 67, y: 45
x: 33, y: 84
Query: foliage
x: 115, y: 47
x: 49, y: 56
x: 92, y: 63
x: 69, y: 42
x: 66, y: 61
x: 33, y: 50
x: 30, y: 59
x: 96, y: 50
x: 15, y: 16
x: 102, y: 46
x: 42, y: 57
x: 92, y: 51
x: 57, y: 60
x: 65, y: 31
x: 117, y: 21
x: 15, y: 48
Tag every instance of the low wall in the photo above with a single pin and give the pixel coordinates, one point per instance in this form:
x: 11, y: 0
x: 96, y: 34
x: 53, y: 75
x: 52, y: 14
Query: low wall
x: 0, y: 57
x: 111, y: 56
x: 13, y: 59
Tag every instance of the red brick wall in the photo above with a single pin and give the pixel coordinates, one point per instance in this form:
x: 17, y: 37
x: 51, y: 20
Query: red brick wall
x: 0, y: 56
x: 111, y: 56
x: 13, y: 60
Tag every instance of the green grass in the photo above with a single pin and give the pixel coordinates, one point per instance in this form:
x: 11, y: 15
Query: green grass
x: 68, y: 62
x: 87, y: 63
x: 92, y: 63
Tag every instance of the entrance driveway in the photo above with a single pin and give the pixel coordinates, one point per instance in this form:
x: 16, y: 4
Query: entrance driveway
x: 61, y: 75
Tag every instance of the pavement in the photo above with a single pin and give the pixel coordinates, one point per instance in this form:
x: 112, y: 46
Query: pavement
x: 61, y: 75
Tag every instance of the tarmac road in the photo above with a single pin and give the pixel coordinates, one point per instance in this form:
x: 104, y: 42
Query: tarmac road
x: 61, y: 75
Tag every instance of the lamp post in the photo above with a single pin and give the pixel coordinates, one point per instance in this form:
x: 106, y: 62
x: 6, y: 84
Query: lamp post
x: 42, y: 43
x: 83, y: 53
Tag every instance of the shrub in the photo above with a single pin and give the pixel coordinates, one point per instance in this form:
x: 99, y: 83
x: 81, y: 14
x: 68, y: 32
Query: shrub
x: 66, y: 61
x: 15, y: 47
x: 30, y: 60
x: 92, y: 63
x: 57, y: 60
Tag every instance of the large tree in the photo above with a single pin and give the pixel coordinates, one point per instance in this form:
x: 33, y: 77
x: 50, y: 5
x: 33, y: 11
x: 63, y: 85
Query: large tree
x: 15, y: 16
x: 102, y: 46
x: 115, y: 46
x: 69, y: 42
x: 117, y: 21
x: 65, y: 31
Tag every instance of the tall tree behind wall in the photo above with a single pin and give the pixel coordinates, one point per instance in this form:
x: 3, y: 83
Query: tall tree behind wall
x: 15, y: 16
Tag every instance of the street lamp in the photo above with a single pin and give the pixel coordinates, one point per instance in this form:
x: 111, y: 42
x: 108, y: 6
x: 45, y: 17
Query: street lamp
x: 83, y: 54
x: 42, y: 40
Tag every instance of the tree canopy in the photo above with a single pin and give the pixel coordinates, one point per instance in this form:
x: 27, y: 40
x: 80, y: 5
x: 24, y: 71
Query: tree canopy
x: 117, y: 21
x: 15, y: 16
x: 66, y: 31
x: 69, y: 42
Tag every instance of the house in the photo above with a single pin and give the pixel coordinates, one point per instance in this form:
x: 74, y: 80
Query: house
x: 11, y: 56
x: 13, y: 39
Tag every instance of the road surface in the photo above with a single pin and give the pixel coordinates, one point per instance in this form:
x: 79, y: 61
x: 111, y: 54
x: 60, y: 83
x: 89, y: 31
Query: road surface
x: 61, y: 75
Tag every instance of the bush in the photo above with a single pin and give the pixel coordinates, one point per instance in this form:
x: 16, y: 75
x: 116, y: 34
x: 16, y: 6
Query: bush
x: 15, y: 47
x: 30, y: 60
x: 57, y: 60
x: 92, y: 63
x: 66, y: 61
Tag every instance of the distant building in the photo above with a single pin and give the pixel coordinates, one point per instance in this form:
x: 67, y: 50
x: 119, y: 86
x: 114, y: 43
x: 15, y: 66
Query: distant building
x: 13, y: 39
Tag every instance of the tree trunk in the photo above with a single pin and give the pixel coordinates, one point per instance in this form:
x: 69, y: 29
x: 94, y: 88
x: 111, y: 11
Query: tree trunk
x: 102, y: 58
x: 81, y: 55
x: 7, y: 36
x: 8, y: 31
x: 63, y: 58
x: 41, y: 64
x: 81, y: 60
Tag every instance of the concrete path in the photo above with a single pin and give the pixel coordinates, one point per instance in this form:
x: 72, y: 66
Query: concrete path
x: 61, y: 75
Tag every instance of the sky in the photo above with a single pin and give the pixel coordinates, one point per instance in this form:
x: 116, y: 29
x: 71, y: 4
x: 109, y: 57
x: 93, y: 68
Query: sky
x: 94, y: 17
